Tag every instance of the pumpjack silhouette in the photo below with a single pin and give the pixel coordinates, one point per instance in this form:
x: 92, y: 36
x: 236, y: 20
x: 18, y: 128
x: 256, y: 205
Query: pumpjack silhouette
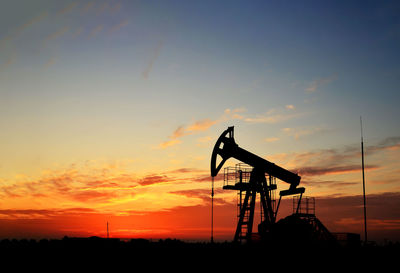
x: 257, y: 176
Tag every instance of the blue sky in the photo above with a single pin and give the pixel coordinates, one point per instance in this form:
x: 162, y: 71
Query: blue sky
x: 79, y: 67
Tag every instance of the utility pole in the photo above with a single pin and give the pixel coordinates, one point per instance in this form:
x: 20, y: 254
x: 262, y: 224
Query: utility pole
x: 363, y: 177
x: 108, y: 235
x: 212, y: 209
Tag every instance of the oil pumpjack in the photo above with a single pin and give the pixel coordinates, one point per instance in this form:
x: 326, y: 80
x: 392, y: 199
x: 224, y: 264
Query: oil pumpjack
x: 257, y: 176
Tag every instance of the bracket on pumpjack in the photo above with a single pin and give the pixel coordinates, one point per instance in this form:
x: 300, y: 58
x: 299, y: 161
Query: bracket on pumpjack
x: 290, y: 191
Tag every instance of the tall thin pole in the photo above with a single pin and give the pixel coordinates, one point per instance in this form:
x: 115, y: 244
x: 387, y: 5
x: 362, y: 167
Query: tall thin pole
x: 212, y: 209
x: 108, y: 235
x: 363, y: 177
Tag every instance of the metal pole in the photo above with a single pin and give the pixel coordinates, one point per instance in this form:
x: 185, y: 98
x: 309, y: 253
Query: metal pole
x: 363, y: 177
x: 212, y: 209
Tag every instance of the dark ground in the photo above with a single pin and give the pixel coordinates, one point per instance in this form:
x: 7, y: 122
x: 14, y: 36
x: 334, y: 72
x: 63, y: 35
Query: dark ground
x: 97, y: 252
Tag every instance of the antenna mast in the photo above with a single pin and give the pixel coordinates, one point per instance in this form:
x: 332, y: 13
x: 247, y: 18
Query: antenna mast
x: 363, y: 177
x: 108, y: 235
x: 212, y: 209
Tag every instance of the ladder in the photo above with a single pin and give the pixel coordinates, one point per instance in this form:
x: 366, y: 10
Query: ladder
x: 246, y: 216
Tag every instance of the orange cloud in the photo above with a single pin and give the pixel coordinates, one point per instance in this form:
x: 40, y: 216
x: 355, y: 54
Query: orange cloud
x: 187, y: 170
x: 271, y: 139
x: 201, y: 125
x: 271, y: 116
x: 169, y: 143
x: 154, y: 179
x: 202, y: 141
x: 290, y: 106
x: 204, y: 195
x: 93, y: 196
x: 181, y: 131
x: 95, y: 187
x: 67, y: 186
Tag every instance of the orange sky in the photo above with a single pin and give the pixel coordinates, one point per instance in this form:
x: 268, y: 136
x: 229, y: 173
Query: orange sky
x: 80, y: 199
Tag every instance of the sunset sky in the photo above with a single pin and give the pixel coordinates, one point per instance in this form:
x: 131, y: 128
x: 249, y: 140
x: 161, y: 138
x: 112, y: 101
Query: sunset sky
x: 109, y: 111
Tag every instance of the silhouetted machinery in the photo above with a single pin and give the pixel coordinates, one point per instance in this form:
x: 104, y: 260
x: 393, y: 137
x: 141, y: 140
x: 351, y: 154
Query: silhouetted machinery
x: 257, y: 176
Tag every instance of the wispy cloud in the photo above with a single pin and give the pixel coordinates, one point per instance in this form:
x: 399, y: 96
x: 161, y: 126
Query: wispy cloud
x: 115, y: 8
x: 87, y: 7
x: 290, y: 106
x: 169, y: 143
x: 298, y: 133
x: 335, y: 167
x: 179, y: 132
x: 174, y: 138
x: 17, y: 32
x: 390, y: 143
x: 202, y: 194
x: 316, y: 84
x: 50, y: 62
x: 33, y: 21
x: 229, y: 114
x: 146, y: 72
x: 154, y: 179
x: 20, y: 214
x: 275, y: 115
x: 72, y: 184
x: 8, y: 62
x: 93, y: 186
x: 186, y: 170
x: 56, y: 34
x: 201, y: 125
x: 204, y: 139
x: 119, y: 26
x: 95, y: 31
x: 270, y: 118
x: 102, y: 8
x: 77, y: 32
x: 271, y: 139
x: 67, y: 8
x: 195, y: 127
x: 326, y: 170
